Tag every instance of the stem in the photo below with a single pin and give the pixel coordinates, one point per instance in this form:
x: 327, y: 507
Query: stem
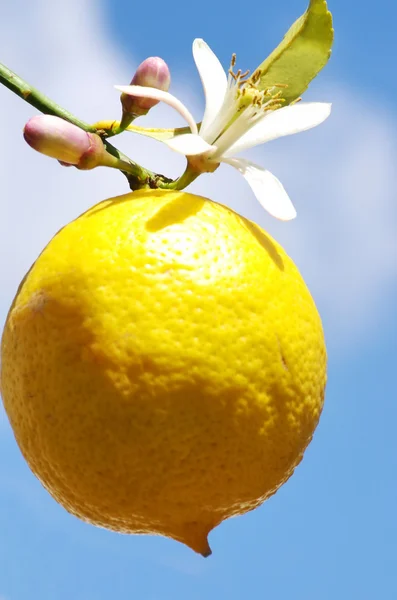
x: 126, y: 120
x: 130, y: 167
x: 138, y: 177
x: 183, y: 181
x: 40, y: 101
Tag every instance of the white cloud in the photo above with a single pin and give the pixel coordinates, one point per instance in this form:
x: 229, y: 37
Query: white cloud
x: 344, y: 180
x: 341, y: 176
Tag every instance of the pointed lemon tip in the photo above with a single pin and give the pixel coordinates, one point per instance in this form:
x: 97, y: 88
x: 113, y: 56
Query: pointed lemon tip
x: 196, y: 538
x: 204, y: 548
x: 201, y: 546
x: 206, y: 553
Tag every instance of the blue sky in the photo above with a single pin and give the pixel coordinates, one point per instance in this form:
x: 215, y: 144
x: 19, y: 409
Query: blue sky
x: 364, y: 50
x: 331, y: 531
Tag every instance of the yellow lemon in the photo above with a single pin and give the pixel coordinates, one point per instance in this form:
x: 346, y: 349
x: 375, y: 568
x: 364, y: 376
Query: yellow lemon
x: 163, y: 366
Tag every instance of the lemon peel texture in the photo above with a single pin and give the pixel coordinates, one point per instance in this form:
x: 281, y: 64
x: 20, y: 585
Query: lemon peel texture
x: 163, y: 366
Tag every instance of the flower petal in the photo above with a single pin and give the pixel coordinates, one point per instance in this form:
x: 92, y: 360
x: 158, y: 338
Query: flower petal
x: 214, y: 81
x: 268, y: 190
x: 148, y: 92
x: 284, y: 121
x: 189, y: 144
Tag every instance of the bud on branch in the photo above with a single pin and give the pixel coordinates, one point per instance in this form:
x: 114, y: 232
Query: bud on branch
x: 153, y: 72
x: 67, y: 143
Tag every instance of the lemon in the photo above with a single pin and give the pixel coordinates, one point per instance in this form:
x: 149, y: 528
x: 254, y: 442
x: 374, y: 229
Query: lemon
x: 163, y: 366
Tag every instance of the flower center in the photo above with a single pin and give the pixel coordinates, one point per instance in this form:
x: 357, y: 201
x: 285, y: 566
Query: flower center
x: 244, y: 105
x: 248, y: 93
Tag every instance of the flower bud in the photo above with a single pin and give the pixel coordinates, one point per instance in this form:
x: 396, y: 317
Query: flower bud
x: 153, y: 72
x: 64, y: 141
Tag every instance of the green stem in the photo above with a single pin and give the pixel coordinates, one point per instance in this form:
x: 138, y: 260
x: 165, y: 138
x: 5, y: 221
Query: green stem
x: 138, y: 177
x: 182, y: 182
x: 126, y: 120
x: 40, y: 101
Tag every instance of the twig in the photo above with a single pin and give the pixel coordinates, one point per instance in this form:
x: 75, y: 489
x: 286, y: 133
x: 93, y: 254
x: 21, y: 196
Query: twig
x: 138, y: 177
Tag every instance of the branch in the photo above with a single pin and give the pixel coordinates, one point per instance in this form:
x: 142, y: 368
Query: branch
x: 44, y: 104
x: 138, y: 177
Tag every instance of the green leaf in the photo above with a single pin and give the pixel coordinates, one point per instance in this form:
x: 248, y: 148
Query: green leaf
x: 162, y: 135
x: 304, y: 51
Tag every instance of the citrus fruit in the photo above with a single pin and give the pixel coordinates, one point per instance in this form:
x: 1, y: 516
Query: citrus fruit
x: 163, y: 366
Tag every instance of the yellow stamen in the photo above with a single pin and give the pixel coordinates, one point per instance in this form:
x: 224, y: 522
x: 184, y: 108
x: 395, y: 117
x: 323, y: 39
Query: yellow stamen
x: 256, y: 75
x: 248, y: 93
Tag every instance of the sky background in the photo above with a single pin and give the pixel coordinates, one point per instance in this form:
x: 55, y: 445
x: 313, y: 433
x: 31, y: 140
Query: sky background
x: 331, y: 531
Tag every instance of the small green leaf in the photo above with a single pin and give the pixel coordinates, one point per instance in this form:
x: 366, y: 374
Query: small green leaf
x: 161, y: 135
x: 304, y: 51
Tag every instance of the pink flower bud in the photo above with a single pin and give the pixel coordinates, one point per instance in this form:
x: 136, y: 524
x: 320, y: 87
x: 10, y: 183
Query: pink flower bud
x: 153, y: 72
x: 64, y: 141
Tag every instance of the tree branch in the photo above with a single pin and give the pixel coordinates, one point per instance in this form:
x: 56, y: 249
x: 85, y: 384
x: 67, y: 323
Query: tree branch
x: 138, y: 177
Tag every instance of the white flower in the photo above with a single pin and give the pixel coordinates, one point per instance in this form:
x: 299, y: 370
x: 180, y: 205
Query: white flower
x: 237, y: 116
